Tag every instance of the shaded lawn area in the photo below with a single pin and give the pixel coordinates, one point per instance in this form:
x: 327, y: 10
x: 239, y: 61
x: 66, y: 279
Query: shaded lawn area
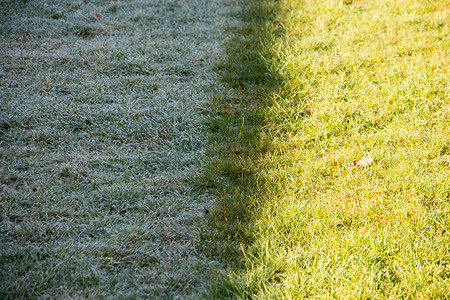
x: 101, y: 141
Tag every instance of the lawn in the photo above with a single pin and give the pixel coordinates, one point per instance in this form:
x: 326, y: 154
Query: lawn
x: 101, y: 147
x: 189, y: 149
x: 318, y: 86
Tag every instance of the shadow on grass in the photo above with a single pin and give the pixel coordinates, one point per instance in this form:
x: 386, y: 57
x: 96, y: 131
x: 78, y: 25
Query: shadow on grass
x: 239, y: 140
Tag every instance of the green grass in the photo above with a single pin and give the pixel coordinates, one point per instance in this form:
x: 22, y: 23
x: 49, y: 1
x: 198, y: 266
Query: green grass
x: 101, y: 143
x: 320, y: 84
x: 104, y: 176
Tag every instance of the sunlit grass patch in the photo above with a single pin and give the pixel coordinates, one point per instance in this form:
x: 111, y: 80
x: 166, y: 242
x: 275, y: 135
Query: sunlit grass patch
x: 342, y: 81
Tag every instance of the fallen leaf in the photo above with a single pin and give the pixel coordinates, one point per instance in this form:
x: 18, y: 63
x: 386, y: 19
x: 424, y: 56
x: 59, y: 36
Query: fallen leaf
x: 228, y: 111
x: 97, y: 16
x: 363, y: 161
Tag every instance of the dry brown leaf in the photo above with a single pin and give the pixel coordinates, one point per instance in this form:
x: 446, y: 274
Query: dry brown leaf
x: 363, y: 161
x: 228, y: 111
x: 97, y: 16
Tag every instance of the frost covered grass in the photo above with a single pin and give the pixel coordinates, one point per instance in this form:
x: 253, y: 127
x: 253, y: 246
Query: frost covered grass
x: 101, y: 140
x: 319, y: 85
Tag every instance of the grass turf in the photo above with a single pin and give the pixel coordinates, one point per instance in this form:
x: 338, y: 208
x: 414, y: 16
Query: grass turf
x: 320, y: 84
x: 101, y: 140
